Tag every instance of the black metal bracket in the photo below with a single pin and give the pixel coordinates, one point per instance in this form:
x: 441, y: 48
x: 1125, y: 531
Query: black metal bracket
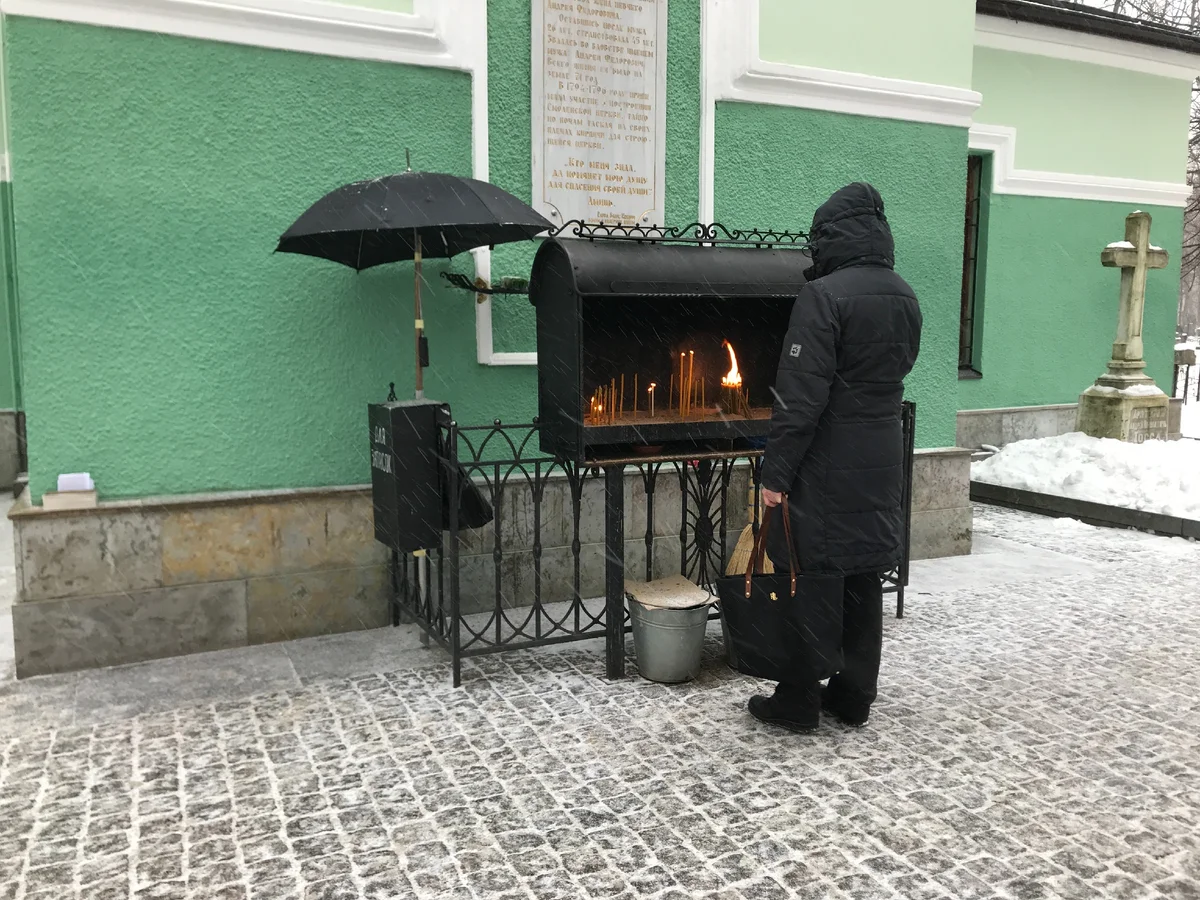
x: 507, y: 285
x: 713, y: 234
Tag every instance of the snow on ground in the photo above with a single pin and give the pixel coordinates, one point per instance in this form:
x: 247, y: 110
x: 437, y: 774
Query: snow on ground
x: 1190, y: 420
x: 1157, y: 476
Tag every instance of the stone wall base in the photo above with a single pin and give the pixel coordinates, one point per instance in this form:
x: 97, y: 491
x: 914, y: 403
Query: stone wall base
x: 997, y: 427
x: 138, y: 580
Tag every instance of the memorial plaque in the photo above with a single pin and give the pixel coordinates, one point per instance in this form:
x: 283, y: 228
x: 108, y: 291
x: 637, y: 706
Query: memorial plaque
x: 1148, y: 423
x: 599, y: 110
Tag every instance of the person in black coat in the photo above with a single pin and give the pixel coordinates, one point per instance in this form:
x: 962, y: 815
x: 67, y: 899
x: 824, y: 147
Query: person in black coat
x: 836, y: 445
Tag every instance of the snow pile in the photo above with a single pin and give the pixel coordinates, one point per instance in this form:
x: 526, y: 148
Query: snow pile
x: 1157, y: 476
x: 1134, y: 390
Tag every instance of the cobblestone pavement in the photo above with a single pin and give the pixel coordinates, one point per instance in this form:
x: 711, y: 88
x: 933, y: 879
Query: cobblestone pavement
x: 1035, y: 737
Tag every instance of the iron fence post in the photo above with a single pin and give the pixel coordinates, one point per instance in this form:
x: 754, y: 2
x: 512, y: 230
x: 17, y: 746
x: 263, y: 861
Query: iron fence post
x: 394, y: 587
x: 453, y: 494
x: 682, y: 467
x: 649, y: 482
x: 614, y: 570
x: 909, y: 419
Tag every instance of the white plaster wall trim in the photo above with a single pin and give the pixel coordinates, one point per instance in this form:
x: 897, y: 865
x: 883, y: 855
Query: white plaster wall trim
x: 306, y: 26
x: 998, y: 33
x: 1001, y: 142
x: 487, y: 356
x: 780, y: 84
x: 733, y: 70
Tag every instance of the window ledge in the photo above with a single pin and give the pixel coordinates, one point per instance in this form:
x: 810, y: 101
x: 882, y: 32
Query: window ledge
x: 968, y: 374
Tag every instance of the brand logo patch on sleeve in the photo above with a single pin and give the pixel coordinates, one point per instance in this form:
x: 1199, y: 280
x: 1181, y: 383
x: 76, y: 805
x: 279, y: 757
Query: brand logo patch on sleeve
x: 795, y: 351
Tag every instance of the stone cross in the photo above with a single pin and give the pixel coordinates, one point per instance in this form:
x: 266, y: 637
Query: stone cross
x: 1125, y: 403
x: 1134, y: 256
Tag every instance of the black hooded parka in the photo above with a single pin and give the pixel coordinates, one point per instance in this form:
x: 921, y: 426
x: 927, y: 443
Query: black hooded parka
x: 836, y: 441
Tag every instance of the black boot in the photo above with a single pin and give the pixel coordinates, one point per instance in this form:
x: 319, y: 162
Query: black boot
x: 794, y: 708
x: 849, y: 714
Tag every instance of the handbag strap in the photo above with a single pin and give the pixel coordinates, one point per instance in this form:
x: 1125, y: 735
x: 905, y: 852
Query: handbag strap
x: 760, y: 549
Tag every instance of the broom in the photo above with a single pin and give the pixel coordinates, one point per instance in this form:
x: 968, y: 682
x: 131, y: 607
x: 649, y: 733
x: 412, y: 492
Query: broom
x: 740, y: 558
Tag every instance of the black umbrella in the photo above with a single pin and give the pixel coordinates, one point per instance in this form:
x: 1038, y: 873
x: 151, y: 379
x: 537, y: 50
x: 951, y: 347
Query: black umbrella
x: 408, y: 216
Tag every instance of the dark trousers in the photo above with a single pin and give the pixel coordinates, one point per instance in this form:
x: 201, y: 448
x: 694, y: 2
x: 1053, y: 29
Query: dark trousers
x: 856, y: 686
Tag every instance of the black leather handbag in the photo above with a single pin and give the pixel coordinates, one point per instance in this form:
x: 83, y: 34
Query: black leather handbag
x: 784, y: 626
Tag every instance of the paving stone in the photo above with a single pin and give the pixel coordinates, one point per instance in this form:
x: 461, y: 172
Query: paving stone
x: 1035, y: 739
x: 1179, y: 888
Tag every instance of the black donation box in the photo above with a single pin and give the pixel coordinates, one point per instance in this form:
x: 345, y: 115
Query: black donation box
x: 645, y: 344
x: 406, y: 476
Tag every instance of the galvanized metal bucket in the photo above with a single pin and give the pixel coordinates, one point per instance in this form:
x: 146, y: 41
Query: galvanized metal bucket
x: 668, y: 643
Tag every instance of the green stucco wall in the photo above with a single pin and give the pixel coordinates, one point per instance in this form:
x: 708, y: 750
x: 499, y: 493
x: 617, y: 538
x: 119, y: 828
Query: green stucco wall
x: 167, y: 349
x: 775, y: 165
x: 914, y: 40
x: 1050, y: 308
x: 1081, y: 121
x: 509, y: 159
x: 513, y: 322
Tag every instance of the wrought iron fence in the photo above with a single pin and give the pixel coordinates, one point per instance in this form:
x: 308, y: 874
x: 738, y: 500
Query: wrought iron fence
x: 1186, y: 383
x: 531, y: 602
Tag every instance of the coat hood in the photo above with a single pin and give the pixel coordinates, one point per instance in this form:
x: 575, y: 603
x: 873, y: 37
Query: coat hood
x: 850, y: 229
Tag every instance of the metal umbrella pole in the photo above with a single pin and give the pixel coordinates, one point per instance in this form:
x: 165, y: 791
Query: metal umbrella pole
x: 421, y: 556
x: 420, y: 322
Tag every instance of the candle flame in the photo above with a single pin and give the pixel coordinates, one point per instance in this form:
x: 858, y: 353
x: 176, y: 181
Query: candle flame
x: 733, y: 378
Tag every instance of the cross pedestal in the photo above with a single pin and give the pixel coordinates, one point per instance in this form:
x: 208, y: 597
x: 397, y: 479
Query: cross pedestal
x: 1124, y: 403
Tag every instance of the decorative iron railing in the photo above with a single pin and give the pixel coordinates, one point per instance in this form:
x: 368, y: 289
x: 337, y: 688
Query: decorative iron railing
x: 713, y: 234
x: 534, y: 494
x: 1186, y: 383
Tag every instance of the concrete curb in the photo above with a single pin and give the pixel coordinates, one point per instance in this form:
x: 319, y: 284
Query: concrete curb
x: 1090, y: 513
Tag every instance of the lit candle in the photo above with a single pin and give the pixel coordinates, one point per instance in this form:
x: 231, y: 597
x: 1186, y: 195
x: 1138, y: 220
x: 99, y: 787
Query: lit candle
x: 650, y: 390
x: 691, y: 391
x: 731, y: 401
x: 682, y: 359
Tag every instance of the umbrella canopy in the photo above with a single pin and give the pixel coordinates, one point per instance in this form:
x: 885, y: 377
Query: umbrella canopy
x: 405, y: 216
